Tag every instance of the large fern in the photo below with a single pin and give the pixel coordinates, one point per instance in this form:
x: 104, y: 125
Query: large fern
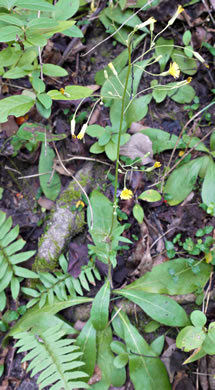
x: 54, y: 356
x: 60, y: 284
x: 10, y: 272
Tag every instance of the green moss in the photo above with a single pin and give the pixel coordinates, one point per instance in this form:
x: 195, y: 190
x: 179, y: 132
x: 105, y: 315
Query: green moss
x: 41, y: 264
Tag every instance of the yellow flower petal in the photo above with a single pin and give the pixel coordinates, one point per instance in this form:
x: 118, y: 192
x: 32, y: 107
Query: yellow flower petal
x: 181, y: 153
x: 174, y: 70
x: 79, y: 203
x: 180, y: 9
x: 126, y: 194
x: 157, y: 164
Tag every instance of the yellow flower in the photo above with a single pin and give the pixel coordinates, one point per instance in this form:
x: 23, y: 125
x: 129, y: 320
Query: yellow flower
x: 174, y: 70
x: 181, y: 153
x: 157, y: 164
x: 82, y: 132
x: 126, y: 194
x: 206, y: 65
x: 189, y: 79
x: 111, y: 66
x: 79, y: 203
x: 62, y: 90
x: 180, y: 9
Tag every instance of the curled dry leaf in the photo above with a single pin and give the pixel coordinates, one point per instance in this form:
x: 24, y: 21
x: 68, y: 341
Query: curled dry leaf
x: 137, y: 147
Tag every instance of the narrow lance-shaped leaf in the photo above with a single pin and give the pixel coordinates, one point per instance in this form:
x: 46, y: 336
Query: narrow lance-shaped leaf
x: 100, y: 308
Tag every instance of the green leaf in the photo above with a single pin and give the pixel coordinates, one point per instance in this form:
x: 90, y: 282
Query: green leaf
x: 35, y: 5
x: 10, y: 19
x: 54, y: 70
x: 9, y: 33
x: 161, y: 140
x: 208, y: 186
x: 121, y: 360
x: 95, y: 131
x: 100, y: 308
x: 24, y: 273
x: 65, y: 9
x: 16, y: 73
x: 73, y: 31
x: 137, y: 109
x: 96, y: 148
x: 50, y: 183
x: 186, y: 65
x: 184, y: 94
x: 105, y: 361
x: 158, y: 344
x: 145, y: 372
x: 187, y: 37
x: 104, y: 138
x: 182, y: 180
x: 138, y: 213
x: 9, y: 56
x: 72, y: 92
x: 209, y: 342
x: 15, y: 287
x: 45, y: 100
x: 150, y: 196
x: 159, y: 307
x: 188, y: 51
x: 17, y: 105
x: 43, y: 111
x: 173, y: 277
x: 38, y: 85
x: 111, y: 150
x: 159, y: 92
x: 164, y: 48
x: 198, y: 318
x: 87, y: 343
x: 212, y: 140
x: 190, y: 338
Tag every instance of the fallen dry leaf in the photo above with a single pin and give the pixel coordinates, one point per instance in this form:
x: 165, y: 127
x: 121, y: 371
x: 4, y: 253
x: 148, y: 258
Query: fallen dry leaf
x: 137, y: 147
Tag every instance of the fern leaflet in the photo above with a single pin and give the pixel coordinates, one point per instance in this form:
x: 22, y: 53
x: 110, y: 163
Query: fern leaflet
x: 61, y: 284
x: 54, y: 356
x: 10, y: 272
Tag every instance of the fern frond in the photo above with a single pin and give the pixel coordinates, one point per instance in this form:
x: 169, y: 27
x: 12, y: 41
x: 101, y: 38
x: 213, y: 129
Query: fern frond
x: 61, y: 284
x: 10, y: 273
x: 54, y: 357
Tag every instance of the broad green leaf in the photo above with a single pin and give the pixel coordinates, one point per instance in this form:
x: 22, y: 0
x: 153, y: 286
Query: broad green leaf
x: 208, y: 186
x: 111, y: 150
x: 5, y: 228
x: 173, y: 277
x: 95, y: 131
x: 33, y: 315
x: 4, y: 282
x: 192, y: 141
x: 73, y: 31
x: 49, y: 182
x: 118, y: 347
x: 159, y: 307
x: 150, y: 196
x: 164, y: 48
x: 16, y: 73
x: 65, y: 9
x: 138, y: 109
x: 209, y: 342
x: 3, y: 300
x: 190, y: 338
x: 96, y: 148
x: 17, y: 105
x: 10, y: 33
x: 28, y: 57
x: 24, y: 273
x: 102, y: 216
x: 54, y: 70
x: 138, y: 213
x: 182, y: 180
x: 186, y: 65
x: 7, y: 3
x: 15, y: 247
x: 187, y: 37
x: 20, y: 257
x: 105, y: 361
x: 121, y: 360
x: 198, y: 318
x: 188, y: 50
x: 72, y: 92
x: 158, y: 344
x: 10, y: 237
x: 87, y: 343
x: 161, y: 140
x: 159, y: 92
x: 43, y: 111
x: 9, y: 56
x: 145, y: 372
x: 35, y: 5
x: 45, y: 100
x: 12, y: 20
x: 38, y: 85
x: 100, y: 308
x: 184, y: 94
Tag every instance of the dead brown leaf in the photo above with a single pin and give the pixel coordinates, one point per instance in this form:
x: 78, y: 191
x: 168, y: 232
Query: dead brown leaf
x: 96, y: 377
x: 45, y: 203
x: 142, y: 253
x: 137, y: 147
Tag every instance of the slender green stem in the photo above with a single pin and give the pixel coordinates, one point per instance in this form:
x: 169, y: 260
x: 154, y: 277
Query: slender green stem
x: 119, y: 135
